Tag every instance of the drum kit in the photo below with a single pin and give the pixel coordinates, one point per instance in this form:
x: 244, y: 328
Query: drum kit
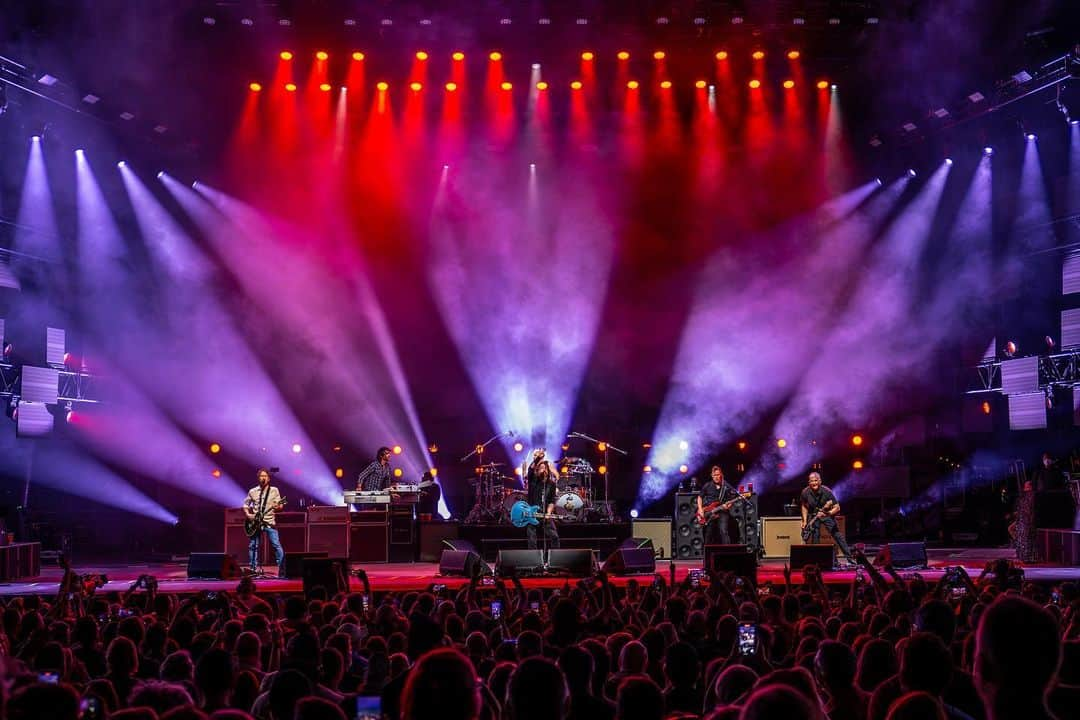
x: 496, y: 493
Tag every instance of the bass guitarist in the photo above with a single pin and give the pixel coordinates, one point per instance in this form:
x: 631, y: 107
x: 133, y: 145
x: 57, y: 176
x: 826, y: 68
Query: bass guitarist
x: 819, y: 509
x: 262, y: 502
x: 714, y: 509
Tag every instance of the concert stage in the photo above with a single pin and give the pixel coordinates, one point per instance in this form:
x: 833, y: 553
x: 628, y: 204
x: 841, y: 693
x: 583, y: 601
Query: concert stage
x: 400, y: 577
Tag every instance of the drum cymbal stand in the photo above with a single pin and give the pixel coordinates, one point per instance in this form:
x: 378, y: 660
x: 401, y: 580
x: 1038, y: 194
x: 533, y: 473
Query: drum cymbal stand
x: 609, y: 511
x: 483, y: 510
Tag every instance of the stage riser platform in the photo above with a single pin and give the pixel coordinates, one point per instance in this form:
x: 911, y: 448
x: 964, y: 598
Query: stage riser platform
x: 603, y: 538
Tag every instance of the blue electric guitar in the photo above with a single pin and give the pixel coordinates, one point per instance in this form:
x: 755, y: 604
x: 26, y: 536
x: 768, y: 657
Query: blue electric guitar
x: 522, y: 514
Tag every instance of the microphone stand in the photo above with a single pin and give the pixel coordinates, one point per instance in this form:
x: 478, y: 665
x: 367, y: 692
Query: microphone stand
x: 607, y: 475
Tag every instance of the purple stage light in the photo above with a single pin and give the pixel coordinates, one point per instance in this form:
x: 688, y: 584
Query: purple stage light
x: 988, y: 150
x: 36, y: 230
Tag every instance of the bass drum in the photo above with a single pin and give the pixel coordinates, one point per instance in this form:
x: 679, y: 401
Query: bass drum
x: 569, y: 506
x: 510, y: 497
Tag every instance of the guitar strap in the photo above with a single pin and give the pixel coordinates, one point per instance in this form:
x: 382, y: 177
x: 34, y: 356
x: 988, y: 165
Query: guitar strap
x: 264, y: 495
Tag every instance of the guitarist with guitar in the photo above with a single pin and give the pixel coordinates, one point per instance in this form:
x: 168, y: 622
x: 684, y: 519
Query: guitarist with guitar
x: 819, y: 509
x: 541, y: 479
x: 262, y: 502
x: 714, y: 509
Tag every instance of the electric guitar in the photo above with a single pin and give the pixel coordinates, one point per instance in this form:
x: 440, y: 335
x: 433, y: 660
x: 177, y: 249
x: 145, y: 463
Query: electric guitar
x: 710, y: 511
x: 253, y: 526
x: 522, y: 514
x: 813, y: 523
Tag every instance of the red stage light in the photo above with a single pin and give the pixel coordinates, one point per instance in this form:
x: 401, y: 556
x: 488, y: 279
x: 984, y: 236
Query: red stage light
x: 633, y: 84
x: 822, y: 84
x: 216, y: 473
x: 587, y: 56
x: 340, y: 472
x: 758, y: 55
x: 793, y: 55
x: 857, y: 465
x: 458, y: 56
x: 286, y: 55
x: 986, y: 407
x: 451, y: 87
x: 741, y: 445
x: 255, y: 87
x: 495, y: 56
x: 291, y: 87
x: 755, y: 84
x: 575, y: 85
x: 659, y: 55
x: 722, y: 55
x: 322, y: 55
x: 623, y: 55
x: 701, y: 84
x: 666, y: 84
x: 382, y: 87
x: 421, y: 55
x: 507, y: 86
x: 541, y: 85
x: 856, y: 440
x: 325, y: 87
x: 415, y: 86
x: 358, y: 56
x: 215, y: 448
x: 788, y: 84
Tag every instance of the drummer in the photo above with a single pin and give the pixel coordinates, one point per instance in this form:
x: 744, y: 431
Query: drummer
x: 540, y: 480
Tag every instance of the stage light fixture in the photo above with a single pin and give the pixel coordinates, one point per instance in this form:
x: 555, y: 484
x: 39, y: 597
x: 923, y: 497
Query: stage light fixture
x: 911, y: 172
x: 421, y: 55
x: 833, y: 87
x: 433, y: 448
x: 536, y: 66
x: 1031, y: 137
x: 721, y: 55
x: 398, y: 472
x: 948, y: 161
x: 254, y: 87
x: 793, y: 55
x: 665, y: 84
x: 296, y: 448
x: 781, y: 443
x: 382, y: 86
x: 322, y: 55
x: 856, y: 440
x: 495, y: 56
x: 988, y: 150
x: 286, y: 55
x: 415, y: 86
x: 601, y: 446
x: 700, y: 84
x: 565, y: 446
x: 857, y: 465
x: 215, y: 473
x: 659, y: 55
x: 587, y: 56
x: 339, y: 473
x: 458, y: 56
x: 541, y: 85
x: 507, y: 85
x: 986, y: 407
x: 634, y: 513
x: 451, y: 86
x: 602, y: 470
x: 822, y: 84
x: 684, y: 445
x: 575, y: 85
x: 647, y: 468
x: 517, y: 471
x: 623, y: 55
x: 788, y: 84
x: 633, y: 84
x: 396, y: 449
x: 215, y: 448
x: 434, y: 472
x: 358, y: 56
x: 755, y: 84
x: 741, y: 444
x: 325, y: 87
x: 35, y: 138
x: 758, y: 55
x: 337, y: 447
x: 519, y: 446
x: 1011, y: 349
x: 291, y: 87
x: 684, y: 469
x: 121, y: 164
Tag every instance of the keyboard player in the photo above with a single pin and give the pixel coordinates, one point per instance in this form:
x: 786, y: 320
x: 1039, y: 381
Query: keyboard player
x: 376, y: 476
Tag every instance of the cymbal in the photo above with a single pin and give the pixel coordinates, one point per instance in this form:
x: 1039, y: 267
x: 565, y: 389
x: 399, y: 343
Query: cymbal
x: 491, y: 465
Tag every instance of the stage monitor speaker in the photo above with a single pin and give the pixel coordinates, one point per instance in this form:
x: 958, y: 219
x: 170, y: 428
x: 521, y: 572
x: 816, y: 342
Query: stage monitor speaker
x: 631, y: 561
x: 462, y: 563
x: 823, y: 555
x: 459, y: 544
x: 432, y: 535
x: 736, y: 559
x: 212, y: 566
x: 578, y: 562
x: 637, y: 543
x: 329, y: 573
x: 518, y: 562
x: 903, y: 556
x: 689, y: 542
x: 294, y: 562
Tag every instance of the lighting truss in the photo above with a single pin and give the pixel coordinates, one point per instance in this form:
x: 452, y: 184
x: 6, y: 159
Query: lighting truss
x: 1058, y: 370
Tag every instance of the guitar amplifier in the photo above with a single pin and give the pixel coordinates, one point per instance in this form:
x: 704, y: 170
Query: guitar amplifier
x: 369, y: 536
x: 778, y: 534
x: 327, y: 514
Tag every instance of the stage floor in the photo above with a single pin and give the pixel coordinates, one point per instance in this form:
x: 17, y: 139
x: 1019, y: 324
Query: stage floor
x: 399, y: 577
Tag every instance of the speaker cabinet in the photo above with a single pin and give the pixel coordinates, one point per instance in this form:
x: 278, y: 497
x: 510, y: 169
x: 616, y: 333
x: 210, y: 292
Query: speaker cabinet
x: 736, y: 559
x: 689, y: 542
x: 236, y: 544
x: 461, y: 563
x: 329, y: 573
x: 780, y: 533
x: 294, y: 562
x: 518, y: 562
x: 368, y: 541
x: 578, y: 562
x: 903, y: 556
x: 658, y: 530
x: 1059, y: 546
x: 402, y: 540
x: 293, y: 537
x: 432, y: 534
x: 822, y: 555
x: 328, y: 538
x: 631, y: 561
x: 212, y: 566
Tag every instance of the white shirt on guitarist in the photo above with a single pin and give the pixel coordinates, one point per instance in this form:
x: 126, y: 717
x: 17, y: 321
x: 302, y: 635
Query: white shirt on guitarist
x: 254, y: 501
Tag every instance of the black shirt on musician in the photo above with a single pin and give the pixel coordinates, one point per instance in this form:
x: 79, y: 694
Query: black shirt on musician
x: 815, y: 501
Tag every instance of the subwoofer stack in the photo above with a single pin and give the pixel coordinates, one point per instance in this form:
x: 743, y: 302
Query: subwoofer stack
x: 689, y: 542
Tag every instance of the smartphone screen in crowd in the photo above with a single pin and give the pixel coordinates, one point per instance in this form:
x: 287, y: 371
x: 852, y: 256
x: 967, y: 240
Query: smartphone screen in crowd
x: 368, y: 707
x: 496, y: 609
x: 747, y: 638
